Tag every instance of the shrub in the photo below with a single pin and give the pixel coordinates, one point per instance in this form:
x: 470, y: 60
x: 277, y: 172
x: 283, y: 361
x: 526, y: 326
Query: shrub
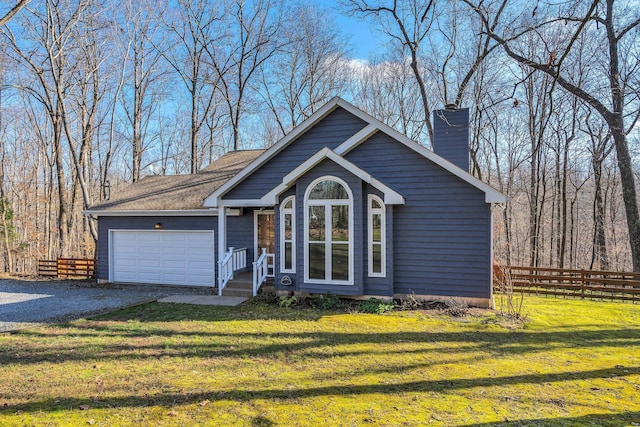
x: 409, y: 303
x: 327, y: 302
x: 374, y: 306
x: 455, y: 308
x: 511, y: 301
x: 286, y: 301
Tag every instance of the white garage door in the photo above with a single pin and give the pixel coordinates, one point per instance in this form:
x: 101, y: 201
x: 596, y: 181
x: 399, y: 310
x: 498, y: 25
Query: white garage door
x: 163, y: 257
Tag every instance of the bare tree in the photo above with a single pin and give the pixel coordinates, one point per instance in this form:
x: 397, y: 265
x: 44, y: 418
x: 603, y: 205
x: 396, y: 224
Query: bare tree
x: 611, y: 28
x: 387, y: 90
x: 307, y: 70
x: 600, y: 149
x: 50, y: 63
x: 408, y: 23
x: 251, y: 40
x: 194, y: 26
x: 140, y: 29
x: 11, y: 13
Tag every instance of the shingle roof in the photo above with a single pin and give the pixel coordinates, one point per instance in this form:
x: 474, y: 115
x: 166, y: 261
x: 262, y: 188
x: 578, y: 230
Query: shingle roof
x: 179, y: 192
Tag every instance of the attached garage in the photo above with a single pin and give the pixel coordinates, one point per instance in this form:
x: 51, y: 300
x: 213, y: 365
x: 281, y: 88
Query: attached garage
x: 168, y: 257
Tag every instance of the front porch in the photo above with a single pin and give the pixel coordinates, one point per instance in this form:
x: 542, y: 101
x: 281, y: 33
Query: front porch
x: 234, y: 277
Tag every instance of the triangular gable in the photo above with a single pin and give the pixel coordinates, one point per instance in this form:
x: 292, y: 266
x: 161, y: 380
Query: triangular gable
x: 391, y: 197
x: 215, y: 199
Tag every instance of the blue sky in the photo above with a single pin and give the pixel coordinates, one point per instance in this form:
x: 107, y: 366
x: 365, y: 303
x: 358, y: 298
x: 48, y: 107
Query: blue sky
x: 363, y: 37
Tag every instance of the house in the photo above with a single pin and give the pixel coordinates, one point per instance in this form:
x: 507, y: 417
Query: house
x: 343, y: 204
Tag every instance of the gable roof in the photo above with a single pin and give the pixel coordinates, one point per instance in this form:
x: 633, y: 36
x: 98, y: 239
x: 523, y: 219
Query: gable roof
x: 176, y: 192
x: 374, y: 125
x: 391, y: 197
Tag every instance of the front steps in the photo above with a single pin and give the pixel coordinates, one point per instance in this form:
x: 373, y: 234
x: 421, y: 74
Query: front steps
x: 242, y: 285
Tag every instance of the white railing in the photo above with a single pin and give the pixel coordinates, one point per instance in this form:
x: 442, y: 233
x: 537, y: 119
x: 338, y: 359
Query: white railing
x: 260, y: 271
x: 271, y: 265
x: 239, y: 258
x: 234, y: 260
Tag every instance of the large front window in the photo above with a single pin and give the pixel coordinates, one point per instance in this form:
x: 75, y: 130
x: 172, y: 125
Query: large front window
x: 328, y: 237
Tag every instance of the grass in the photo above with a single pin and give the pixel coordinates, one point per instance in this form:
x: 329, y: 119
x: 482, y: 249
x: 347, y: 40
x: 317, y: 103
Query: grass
x: 573, y: 363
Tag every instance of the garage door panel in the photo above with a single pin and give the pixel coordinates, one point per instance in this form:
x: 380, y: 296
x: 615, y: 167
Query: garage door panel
x: 174, y: 265
x: 128, y: 262
x: 199, y: 241
x: 148, y: 264
x: 177, y: 238
x: 128, y: 248
x: 199, y: 278
x: 200, y: 252
x: 150, y: 237
x: 199, y: 265
x: 148, y: 249
x: 163, y: 257
x: 180, y: 251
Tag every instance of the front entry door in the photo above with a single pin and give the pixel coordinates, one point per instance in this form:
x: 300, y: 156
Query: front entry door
x: 265, y: 236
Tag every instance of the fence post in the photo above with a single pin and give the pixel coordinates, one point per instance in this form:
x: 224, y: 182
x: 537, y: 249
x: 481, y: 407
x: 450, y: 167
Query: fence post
x: 582, y: 283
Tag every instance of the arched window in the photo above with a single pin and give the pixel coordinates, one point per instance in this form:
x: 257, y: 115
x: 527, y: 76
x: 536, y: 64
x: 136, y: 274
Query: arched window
x: 328, y: 227
x: 376, y: 240
x: 288, y: 235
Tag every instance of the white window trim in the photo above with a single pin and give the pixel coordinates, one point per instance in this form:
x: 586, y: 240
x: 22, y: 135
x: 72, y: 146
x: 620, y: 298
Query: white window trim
x: 383, y: 240
x: 291, y: 211
x: 327, y: 202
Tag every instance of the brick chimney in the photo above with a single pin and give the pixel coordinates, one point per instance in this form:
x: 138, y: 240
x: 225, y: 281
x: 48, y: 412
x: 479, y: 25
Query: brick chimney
x: 451, y: 135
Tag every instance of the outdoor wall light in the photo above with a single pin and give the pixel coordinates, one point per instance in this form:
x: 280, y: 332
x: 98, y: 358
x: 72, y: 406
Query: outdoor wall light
x: 158, y: 226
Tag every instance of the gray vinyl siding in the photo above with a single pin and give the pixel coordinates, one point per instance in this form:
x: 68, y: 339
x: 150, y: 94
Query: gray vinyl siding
x: 442, y: 235
x: 451, y: 136
x: 332, y: 131
x: 328, y: 167
x: 240, y: 232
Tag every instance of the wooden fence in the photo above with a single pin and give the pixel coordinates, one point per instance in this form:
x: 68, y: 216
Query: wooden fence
x: 592, y: 284
x: 65, y: 268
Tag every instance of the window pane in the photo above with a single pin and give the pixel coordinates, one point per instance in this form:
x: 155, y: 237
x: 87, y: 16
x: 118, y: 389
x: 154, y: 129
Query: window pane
x: 376, y: 221
x: 340, y: 223
x: 288, y: 256
x: 288, y: 204
x: 377, y: 258
x: 375, y: 204
x: 328, y: 189
x: 316, y: 223
x: 266, y: 233
x: 288, y: 231
x: 339, y: 261
x: 316, y: 261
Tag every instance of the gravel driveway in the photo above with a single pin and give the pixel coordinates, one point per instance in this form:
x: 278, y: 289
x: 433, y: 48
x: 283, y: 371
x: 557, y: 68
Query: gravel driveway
x: 25, y: 303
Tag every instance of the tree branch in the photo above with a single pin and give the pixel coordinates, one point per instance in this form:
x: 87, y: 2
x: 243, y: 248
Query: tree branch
x: 13, y: 11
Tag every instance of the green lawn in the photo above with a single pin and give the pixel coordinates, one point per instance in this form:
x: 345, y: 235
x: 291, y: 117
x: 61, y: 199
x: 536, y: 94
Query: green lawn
x: 573, y: 363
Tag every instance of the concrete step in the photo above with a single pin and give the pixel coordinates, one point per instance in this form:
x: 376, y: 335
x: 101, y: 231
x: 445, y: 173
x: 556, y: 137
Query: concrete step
x: 239, y: 285
x: 237, y: 292
x: 243, y: 288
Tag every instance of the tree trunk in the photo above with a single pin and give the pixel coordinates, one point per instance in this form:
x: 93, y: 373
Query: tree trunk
x: 599, y: 255
x: 627, y: 181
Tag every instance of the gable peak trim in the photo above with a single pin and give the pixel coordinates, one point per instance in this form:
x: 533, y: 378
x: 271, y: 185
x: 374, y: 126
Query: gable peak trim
x: 391, y: 197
